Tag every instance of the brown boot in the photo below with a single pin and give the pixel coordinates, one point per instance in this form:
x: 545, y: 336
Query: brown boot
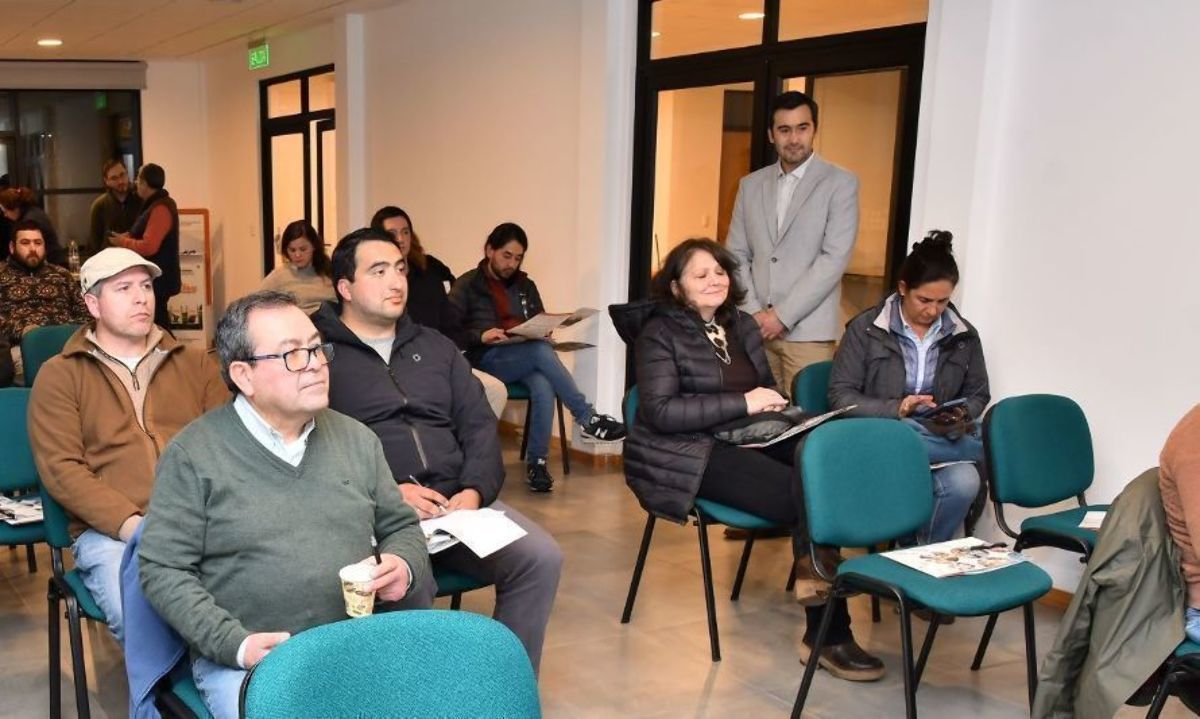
x: 811, y: 590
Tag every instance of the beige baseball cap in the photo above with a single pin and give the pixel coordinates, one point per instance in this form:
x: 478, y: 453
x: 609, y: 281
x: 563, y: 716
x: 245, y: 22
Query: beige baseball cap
x: 112, y: 261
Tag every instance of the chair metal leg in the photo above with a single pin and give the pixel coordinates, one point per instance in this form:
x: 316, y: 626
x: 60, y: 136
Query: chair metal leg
x: 934, y: 622
x: 75, y: 630
x: 456, y: 601
x: 31, y: 558
x: 875, y: 618
x: 741, y: 572
x: 983, y: 642
x: 810, y: 667
x: 1160, y: 696
x: 1030, y: 653
x: 791, y: 582
x: 54, y: 629
x: 564, y: 442
x: 525, y: 432
x: 710, y: 604
x: 906, y: 659
x: 637, y: 568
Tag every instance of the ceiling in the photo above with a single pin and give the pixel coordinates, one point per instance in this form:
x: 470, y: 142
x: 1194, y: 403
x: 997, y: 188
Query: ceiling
x: 149, y: 29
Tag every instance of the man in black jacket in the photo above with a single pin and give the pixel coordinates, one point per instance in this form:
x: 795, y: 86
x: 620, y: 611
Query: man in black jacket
x: 495, y: 297
x: 411, y: 386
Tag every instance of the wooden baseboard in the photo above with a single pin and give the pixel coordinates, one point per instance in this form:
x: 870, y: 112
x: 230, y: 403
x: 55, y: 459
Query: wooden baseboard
x: 601, y: 462
x: 1060, y: 599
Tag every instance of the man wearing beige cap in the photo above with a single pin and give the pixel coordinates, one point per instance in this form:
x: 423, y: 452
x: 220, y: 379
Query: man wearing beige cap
x: 104, y: 409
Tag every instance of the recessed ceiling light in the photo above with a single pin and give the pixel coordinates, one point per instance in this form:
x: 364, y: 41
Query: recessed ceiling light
x: 752, y: 16
x: 49, y: 42
x: 655, y: 33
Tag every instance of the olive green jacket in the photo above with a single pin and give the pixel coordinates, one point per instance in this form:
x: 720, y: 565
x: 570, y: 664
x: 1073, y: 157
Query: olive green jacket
x: 1127, y: 614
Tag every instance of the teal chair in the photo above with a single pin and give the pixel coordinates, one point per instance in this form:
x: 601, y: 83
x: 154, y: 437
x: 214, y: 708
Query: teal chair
x: 18, y: 474
x: 414, y: 664
x: 66, y: 586
x: 454, y: 584
x: 867, y: 482
x: 519, y: 391
x: 1183, y: 664
x: 1038, y: 450
x: 705, y: 513
x: 810, y: 387
x: 40, y: 344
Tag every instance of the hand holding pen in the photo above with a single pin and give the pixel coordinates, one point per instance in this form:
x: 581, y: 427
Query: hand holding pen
x: 427, y: 502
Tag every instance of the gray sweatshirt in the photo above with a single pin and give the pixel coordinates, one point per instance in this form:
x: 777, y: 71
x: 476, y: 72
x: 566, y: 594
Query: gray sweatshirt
x: 238, y: 541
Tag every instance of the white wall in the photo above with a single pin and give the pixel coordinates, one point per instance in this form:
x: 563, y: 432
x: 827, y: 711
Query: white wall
x: 479, y: 113
x: 1066, y: 171
x: 175, y: 128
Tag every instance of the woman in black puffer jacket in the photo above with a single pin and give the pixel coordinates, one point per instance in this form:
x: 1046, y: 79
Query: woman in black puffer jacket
x: 700, y: 364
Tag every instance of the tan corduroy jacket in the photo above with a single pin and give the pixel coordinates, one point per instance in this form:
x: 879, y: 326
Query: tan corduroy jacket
x: 93, y: 455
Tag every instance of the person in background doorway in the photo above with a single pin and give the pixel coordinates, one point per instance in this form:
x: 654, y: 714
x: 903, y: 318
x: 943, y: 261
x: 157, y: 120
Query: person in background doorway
x: 116, y: 210
x: 155, y: 236
x: 792, y: 232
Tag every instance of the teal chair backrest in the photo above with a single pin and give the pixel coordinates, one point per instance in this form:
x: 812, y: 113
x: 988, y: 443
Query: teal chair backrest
x: 1039, y: 450
x: 17, y: 470
x: 55, y: 520
x: 866, y: 482
x: 40, y: 344
x: 419, y: 663
x: 810, y: 387
x: 630, y: 405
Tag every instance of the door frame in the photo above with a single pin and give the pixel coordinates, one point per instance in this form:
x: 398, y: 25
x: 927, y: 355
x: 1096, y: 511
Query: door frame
x: 295, y: 124
x: 901, y: 47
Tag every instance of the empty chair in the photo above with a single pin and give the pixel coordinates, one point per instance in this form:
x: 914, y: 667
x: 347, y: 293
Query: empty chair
x: 1038, y: 449
x: 399, y: 664
x: 40, y: 344
x: 866, y: 482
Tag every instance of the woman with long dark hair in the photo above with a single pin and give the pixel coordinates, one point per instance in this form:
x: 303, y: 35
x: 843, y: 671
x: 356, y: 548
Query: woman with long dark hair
x: 701, y: 364
x: 306, y: 271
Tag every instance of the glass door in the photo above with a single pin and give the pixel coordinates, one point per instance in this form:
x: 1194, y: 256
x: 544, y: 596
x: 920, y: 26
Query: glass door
x: 298, y: 156
x: 860, y: 131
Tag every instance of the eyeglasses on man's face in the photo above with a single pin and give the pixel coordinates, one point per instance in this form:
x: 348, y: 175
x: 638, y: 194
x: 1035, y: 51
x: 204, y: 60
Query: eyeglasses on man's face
x: 299, y: 359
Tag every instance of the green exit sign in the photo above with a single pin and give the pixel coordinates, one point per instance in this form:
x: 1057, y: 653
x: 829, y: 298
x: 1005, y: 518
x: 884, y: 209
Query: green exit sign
x: 260, y: 56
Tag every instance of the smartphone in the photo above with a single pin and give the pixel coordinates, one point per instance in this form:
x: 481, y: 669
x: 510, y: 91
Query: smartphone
x: 932, y: 412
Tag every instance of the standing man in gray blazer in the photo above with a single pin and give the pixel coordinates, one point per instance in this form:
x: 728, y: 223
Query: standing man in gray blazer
x: 793, y: 229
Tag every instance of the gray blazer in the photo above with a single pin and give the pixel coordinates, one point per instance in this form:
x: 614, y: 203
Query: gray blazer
x: 797, y: 271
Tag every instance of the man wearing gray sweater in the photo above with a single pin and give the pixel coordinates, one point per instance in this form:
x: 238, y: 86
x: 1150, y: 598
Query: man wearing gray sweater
x: 259, y: 503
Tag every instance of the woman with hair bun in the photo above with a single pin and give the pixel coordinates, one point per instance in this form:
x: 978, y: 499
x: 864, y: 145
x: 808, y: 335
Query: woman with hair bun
x: 911, y: 354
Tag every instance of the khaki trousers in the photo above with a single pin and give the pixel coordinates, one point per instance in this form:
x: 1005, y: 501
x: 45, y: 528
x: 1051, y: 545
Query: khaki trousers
x: 788, y: 358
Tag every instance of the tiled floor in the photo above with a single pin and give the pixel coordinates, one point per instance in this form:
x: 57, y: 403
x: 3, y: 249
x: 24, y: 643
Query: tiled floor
x: 656, y: 666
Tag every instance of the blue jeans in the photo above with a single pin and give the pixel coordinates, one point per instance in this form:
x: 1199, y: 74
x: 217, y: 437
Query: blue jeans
x: 537, y: 365
x: 219, y: 686
x: 1192, y: 624
x: 954, y: 487
x: 98, y: 560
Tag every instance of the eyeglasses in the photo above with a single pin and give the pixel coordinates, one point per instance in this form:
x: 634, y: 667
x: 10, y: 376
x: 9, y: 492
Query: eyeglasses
x: 299, y: 359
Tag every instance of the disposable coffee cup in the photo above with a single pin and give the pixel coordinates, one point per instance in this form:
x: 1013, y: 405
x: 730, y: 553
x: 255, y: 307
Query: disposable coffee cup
x: 356, y: 589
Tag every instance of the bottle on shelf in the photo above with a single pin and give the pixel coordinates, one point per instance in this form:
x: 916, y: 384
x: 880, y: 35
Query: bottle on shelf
x: 73, y: 257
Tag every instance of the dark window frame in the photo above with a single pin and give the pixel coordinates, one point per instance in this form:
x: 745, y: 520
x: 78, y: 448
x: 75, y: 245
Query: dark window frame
x: 17, y: 178
x: 899, y: 47
x: 294, y: 124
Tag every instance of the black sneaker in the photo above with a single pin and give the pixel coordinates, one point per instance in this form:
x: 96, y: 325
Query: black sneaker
x: 603, y: 428
x: 538, y: 476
